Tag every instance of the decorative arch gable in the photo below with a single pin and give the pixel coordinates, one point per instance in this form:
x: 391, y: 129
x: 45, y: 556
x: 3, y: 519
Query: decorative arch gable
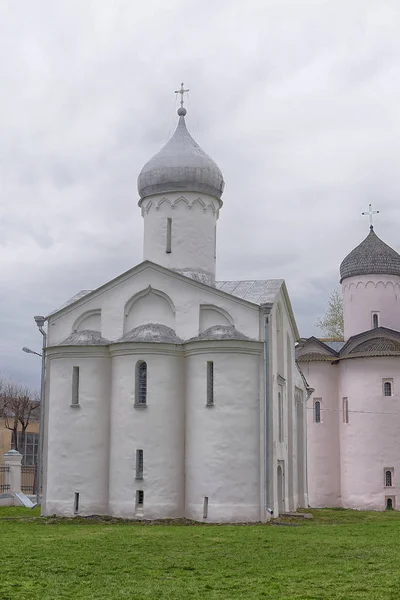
x: 211, y: 315
x: 149, y: 306
x: 91, y: 319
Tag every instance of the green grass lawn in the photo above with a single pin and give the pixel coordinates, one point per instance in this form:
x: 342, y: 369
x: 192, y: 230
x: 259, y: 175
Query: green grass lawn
x: 339, y: 554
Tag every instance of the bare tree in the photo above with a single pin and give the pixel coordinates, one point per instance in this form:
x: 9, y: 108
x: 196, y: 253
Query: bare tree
x: 332, y: 323
x: 19, y: 406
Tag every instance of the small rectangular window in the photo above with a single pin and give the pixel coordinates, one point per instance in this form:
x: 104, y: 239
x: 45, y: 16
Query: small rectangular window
x: 139, y: 498
x: 345, y: 409
x: 75, y: 386
x: 280, y: 415
x: 205, y: 507
x: 210, y: 383
x: 389, y: 477
x: 387, y: 385
x: 139, y: 464
x: 76, y: 503
x: 317, y: 410
x: 169, y: 235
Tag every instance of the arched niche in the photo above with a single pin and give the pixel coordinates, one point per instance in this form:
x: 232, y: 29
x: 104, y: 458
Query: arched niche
x: 211, y: 315
x: 91, y: 319
x: 149, y: 306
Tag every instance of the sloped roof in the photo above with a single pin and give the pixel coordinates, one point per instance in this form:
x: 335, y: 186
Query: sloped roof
x: 151, y: 332
x: 220, y: 332
x: 259, y: 291
x: 86, y: 337
x: 370, y: 257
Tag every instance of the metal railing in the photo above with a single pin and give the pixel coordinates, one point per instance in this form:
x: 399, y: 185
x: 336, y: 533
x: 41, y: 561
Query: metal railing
x: 4, y: 478
x: 28, y: 479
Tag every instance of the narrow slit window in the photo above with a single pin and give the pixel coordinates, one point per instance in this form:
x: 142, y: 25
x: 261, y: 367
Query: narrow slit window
x: 387, y: 388
x: 345, y: 410
x: 141, y: 384
x: 169, y: 236
x: 317, y: 411
x: 280, y: 416
x: 205, y: 507
x: 75, y: 386
x: 139, y: 499
x: 139, y: 464
x: 210, y: 383
x: 76, y: 503
x: 375, y: 321
x: 388, y: 478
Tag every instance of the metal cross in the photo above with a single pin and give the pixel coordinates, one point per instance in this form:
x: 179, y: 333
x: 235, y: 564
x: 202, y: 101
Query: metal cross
x: 370, y: 213
x: 181, y: 92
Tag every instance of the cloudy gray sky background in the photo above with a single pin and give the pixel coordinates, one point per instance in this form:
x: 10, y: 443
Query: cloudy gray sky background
x: 296, y: 100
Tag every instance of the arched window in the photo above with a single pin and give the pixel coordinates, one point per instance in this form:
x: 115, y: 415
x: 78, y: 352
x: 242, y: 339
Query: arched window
x: 389, y: 504
x: 280, y: 416
x: 387, y: 388
x: 317, y: 411
x: 141, y: 383
x: 388, y: 478
x: 375, y: 321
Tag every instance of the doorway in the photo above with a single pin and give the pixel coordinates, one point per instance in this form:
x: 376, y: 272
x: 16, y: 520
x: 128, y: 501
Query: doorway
x: 281, y: 486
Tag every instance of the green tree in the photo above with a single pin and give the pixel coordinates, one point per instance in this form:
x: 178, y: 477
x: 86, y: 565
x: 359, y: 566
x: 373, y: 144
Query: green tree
x: 332, y: 323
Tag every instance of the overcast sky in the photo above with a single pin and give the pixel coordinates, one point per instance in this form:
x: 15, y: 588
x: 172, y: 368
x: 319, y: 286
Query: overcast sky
x: 296, y: 100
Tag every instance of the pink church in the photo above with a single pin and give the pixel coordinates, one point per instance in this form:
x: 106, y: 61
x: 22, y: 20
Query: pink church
x: 353, y: 416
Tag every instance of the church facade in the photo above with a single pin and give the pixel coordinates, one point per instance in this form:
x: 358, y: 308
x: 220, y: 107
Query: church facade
x: 353, y: 416
x: 170, y: 394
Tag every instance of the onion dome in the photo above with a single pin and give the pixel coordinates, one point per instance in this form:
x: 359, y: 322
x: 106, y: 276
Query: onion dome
x: 372, y: 256
x: 180, y: 166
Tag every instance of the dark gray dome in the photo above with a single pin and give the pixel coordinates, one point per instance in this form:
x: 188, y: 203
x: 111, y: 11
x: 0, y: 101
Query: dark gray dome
x: 180, y: 166
x: 152, y: 332
x: 371, y: 257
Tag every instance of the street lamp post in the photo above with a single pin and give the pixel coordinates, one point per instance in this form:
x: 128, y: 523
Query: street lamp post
x: 40, y: 321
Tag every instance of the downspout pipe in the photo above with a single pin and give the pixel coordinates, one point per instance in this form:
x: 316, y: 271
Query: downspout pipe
x: 40, y: 321
x: 267, y: 311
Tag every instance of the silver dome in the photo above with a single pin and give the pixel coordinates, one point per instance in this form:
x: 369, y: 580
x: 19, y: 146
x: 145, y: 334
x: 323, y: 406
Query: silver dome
x: 180, y: 166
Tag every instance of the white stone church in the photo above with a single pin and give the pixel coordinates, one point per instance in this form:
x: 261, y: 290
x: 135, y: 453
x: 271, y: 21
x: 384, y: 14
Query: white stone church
x: 170, y: 394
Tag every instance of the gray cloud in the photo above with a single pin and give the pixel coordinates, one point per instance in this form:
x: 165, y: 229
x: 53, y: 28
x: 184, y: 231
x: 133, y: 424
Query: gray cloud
x: 296, y: 100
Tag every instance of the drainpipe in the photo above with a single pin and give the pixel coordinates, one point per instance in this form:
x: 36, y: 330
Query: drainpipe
x: 40, y: 321
x: 266, y: 311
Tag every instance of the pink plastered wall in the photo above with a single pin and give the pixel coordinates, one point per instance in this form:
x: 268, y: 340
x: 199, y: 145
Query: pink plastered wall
x: 369, y: 443
x: 367, y: 294
x: 323, y: 468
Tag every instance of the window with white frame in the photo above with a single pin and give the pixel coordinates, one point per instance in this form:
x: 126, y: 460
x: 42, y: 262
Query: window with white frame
x: 141, y: 383
x: 317, y: 410
x: 139, y: 498
x: 387, y: 387
x: 389, y: 477
x: 345, y: 409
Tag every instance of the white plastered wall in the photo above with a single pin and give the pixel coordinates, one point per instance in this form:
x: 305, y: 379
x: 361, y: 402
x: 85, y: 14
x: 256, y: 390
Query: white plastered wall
x: 222, y: 441
x: 78, y: 436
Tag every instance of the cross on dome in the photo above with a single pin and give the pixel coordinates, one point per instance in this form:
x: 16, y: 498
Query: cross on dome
x: 370, y: 213
x: 182, y: 91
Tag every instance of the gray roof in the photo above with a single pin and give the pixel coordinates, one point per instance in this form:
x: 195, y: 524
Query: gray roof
x: 180, y: 166
x: 86, y: 337
x: 220, y: 332
x: 261, y: 291
x: 151, y: 332
x: 370, y: 257
x: 379, y: 344
x: 336, y: 346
